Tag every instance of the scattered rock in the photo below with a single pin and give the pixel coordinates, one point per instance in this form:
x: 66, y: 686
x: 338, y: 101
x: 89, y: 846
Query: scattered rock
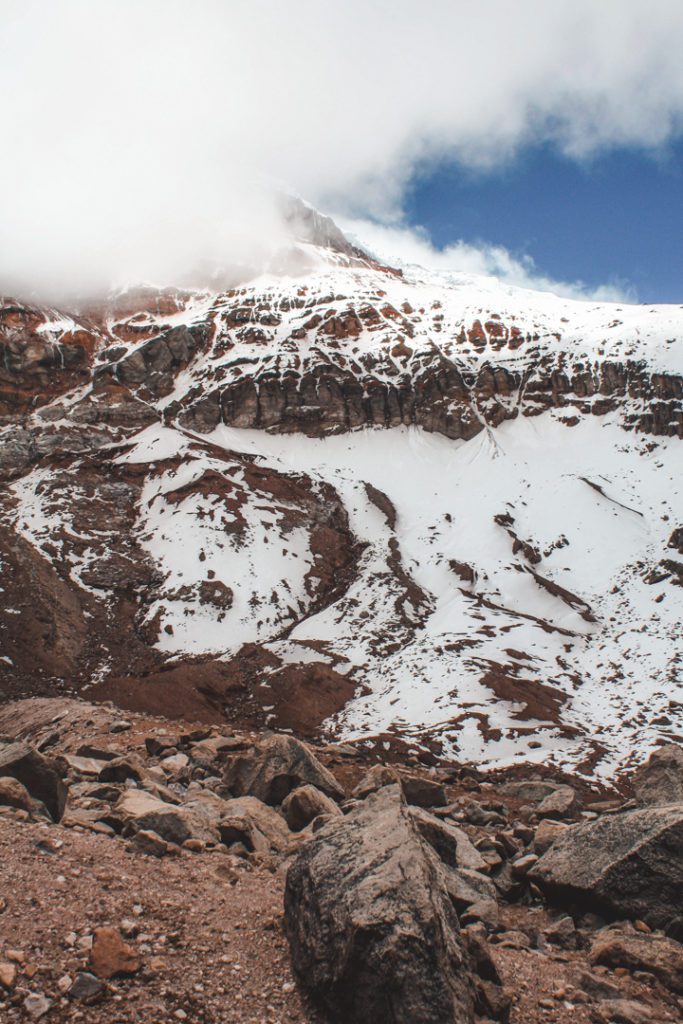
x: 8, y: 975
x: 148, y: 842
x: 37, y: 773
x: 629, y: 864
x: 656, y: 954
x: 453, y: 846
x: 14, y: 794
x: 141, y: 811
x: 276, y: 766
x: 111, y: 956
x: 373, y: 935
x: 546, y: 834
x: 304, y: 804
x: 622, y: 1011
x: 562, y: 933
x: 258, y: 827
x: 529, y: 791
x: 563, y: 803
x: 379, y: 775
x: 422, y: 792
x: 660, y: 780
x: 36, y: 1005
x: 86, y: 988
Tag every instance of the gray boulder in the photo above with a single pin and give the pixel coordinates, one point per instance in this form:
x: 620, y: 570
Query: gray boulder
x: 660, y: 780
x: 258, y: 827
x: 37, y: 773
x: 305, y: 804
x: 276, y: 766
x: 373, y: 935
x: 141, y: 812
x: 453, y: 846
x: 625, y: 865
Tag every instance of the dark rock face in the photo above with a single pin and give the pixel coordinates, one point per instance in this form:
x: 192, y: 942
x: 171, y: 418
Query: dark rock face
x: 628, y: 865
x: 37, y: 773
x: 277, y: 766
x: 660, y: 780
x: 373, y: 935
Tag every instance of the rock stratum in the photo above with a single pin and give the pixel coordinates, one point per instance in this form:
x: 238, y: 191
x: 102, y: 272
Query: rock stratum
x: 424, y: 511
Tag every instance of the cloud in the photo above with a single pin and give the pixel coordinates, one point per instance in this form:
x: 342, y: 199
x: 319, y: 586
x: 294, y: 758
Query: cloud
x: 142, y: 137
x: 411, y: 247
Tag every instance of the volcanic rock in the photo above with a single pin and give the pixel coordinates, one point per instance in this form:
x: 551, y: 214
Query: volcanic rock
x: 628, y: 864
x: 276, y: 766
x: 37, y: 773
x: 660, y: 779
x: 373, y: 935
x: 304, y: 804
x: 654, y: 953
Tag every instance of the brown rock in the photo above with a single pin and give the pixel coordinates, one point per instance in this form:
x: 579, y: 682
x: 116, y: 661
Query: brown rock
x: 37, y: 773
x: 546, y: 834
x: 422, y: 792
x: 276, y: 766
x: 378, y: 776
x: 8, y: 975
x: 110, y: 956
x: 14, y: 794
x: 660, y: 779
x: 563, y: 803
x: 305, y: 804
x: 661, y: 957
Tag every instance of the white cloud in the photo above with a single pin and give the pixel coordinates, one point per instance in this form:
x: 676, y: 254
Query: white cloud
x: 411, y: 246
x: 137, y: 134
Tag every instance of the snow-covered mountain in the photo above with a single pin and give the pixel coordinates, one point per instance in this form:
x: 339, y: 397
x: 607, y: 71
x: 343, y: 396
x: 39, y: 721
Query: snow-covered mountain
x: 427, y: 509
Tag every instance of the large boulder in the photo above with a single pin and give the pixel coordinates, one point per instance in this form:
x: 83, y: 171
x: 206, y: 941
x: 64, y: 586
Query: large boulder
x: 304, y: 805
x: 453, y: 846
x: 276, y: 766
x: 258, y: 827
x: 139, y: 811
x: 660, y: 780
x: 37, y: 773
x: 373, y: 934
x: 626, y: 865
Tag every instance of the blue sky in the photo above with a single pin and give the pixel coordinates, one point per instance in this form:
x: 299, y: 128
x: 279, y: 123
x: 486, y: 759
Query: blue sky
x: 617, y: 218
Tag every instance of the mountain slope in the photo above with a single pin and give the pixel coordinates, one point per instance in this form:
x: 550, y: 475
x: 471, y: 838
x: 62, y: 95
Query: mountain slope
x: 427, y: 508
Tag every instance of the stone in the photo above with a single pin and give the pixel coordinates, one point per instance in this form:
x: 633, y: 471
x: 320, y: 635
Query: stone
x: 121, y: 769
x: 8, y: 975
x: 546, y: 834
x: 86, y: 988
x: 254, y: 824
x: 148, y: 842
x: 89, y: 767
x: 529, y: 791
x: 596, y: 986
x: 37, y: 773
x: 378, y: 776
x: 453, y: 846
x: 660, y: 956
x: 37, y: 1005
x: 140, y: 811
x: 562, y: 803
x: 522, y: 865
x: 485, y: 911
x: 156, y: 745
x: 562, y: 933
x: 466, y: 887
x: 623, y: 1011
x: 111, y: 956
x: 628, y: 864
x: 304, y: 805
x: 660, y: 780
x: 276, y: 766
x: 373, y: 936
x: 423, y: 792
x: 175, y: 763
x: 14, y: 794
